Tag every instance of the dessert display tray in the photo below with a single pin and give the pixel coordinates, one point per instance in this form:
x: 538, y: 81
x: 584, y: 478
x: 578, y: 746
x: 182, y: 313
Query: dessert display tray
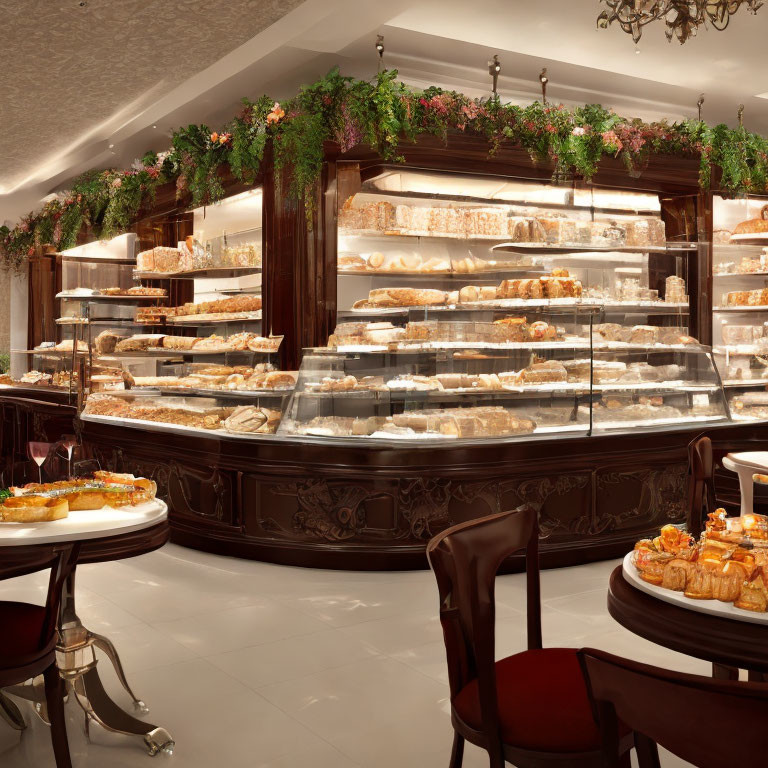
x: 740, y: 274
x: 650, y: 307
x: 246, y: 394
x: 712, y: 607
x: 742, y: 308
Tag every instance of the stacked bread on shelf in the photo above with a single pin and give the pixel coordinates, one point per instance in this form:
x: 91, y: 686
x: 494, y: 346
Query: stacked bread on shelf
x: 222, y: 378
x: 163, y: 259
x: 477, y: 421
x: 108, y: 342
x: 219, y: 309
x: 204, y: 417
x: 501, y: 331
x: 557, y: 285
x: 497, y: 222
x: 640, y: 334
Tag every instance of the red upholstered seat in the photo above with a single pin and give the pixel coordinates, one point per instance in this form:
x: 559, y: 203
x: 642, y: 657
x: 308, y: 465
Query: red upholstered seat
x: 20, y: 637
x: 543, y: 702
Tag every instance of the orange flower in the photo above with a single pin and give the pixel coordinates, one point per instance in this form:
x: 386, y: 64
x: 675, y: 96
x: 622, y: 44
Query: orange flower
x: 224, y: 138
x: 214, y: 138
x: 276, y: 114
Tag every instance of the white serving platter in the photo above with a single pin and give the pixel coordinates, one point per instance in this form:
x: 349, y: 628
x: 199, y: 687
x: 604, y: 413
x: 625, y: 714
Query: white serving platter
x: 85, y: 524
x: 712, y: 607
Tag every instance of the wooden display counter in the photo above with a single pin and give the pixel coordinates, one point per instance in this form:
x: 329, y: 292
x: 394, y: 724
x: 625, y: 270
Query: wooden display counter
x: 318, y: 504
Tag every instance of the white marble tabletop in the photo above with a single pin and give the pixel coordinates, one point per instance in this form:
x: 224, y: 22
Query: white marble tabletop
x: 85, y: 524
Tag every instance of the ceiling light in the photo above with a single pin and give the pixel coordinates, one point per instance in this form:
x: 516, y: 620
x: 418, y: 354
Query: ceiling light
x: 682, y: 17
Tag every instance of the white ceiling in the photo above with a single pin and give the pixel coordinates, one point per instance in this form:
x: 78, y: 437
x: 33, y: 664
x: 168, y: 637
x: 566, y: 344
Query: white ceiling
x: 79, y: 79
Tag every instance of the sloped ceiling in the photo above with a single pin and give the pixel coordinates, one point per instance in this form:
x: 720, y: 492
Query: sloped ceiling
x: 69, y: 66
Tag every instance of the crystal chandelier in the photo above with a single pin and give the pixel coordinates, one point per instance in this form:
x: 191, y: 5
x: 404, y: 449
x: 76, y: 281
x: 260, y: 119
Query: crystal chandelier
x: 682, y: 17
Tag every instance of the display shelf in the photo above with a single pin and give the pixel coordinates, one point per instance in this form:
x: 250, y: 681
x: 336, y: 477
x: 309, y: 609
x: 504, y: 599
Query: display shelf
x: 503, y: 243
x: 400, y: 394
x: 209, y: 272
x: 752, y: 383
x: 599, y: 426
x: 397, y: 274
x: 739, y: 349
x: 125, y: 298
x: 244, y: 394
x: 742, y: 308
x: 173, y: 353
x: 717, y: 275
x: 566, y: 344
x: 656, y: 308
x: 232, y: 317
x: 163, y: 426
x: 98, y: 259
x: 49, y: 352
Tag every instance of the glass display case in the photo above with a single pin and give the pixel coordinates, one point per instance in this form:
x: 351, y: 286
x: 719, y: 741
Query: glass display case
x: 740, y: 312
x: 202, y: 365
x: 471, y: 307
x: 511, y: 377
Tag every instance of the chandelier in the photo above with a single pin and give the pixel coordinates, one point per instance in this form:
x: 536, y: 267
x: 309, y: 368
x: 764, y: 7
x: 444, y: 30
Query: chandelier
x: 682, y: 17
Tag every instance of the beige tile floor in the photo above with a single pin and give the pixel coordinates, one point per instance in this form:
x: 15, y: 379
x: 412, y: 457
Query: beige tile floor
x: 260, y: 666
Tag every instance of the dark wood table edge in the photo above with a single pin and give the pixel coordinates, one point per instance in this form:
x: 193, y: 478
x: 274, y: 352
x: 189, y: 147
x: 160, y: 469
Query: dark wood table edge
x: 729, y: 642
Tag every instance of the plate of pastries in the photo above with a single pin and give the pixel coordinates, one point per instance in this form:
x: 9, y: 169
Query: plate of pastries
x: 724, y: 573
x: 47, y: 502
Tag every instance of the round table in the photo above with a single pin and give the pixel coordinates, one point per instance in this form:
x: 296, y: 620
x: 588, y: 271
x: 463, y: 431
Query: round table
x: 100, y: 535
x: 745, y: 464
x: 724, y: 642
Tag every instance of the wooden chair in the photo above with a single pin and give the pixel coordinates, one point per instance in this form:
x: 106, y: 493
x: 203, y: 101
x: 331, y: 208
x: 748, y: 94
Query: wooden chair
x: 28, y: 644
x: 709, y: 723
x: 701, y: 484
x: 532, y: 708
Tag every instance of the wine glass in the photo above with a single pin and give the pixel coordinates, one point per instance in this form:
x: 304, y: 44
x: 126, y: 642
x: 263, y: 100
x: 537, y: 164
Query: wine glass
x: 38, y: 452
x: 68, y: 443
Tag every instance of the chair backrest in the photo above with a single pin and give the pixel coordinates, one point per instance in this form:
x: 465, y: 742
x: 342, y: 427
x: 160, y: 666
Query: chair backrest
x: 710, y: 723
x: 701, y: 484
x: 61, y: 560
x: 465, y: 560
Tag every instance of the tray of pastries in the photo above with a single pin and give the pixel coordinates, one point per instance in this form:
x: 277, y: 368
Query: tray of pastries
x: 724, y: 573
x: 107, y: 343
x: 45, y: 502
x: 432, y: 423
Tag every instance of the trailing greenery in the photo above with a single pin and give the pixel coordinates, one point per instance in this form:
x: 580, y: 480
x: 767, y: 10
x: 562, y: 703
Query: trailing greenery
x: 382, y: 113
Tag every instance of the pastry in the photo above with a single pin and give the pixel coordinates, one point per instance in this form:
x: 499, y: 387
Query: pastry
x: 351, y: 262
x: 405, y: 297
x: 252, y: 419
x: 548, y: 371
x: 105, y: 342
x: 33, y: 509
x: 644, y: 334
x: 754, y: 226
x: 139, y: 343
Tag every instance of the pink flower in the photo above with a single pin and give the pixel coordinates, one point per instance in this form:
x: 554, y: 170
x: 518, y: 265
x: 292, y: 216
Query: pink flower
x: 24, y: 226
x: 579, y: 130
x: 153, y: 172
x: 612, y: 141
x: 117, y: 183
x: 549, y: 128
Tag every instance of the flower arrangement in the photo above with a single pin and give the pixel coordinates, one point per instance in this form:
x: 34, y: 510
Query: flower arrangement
x: 382, y: 113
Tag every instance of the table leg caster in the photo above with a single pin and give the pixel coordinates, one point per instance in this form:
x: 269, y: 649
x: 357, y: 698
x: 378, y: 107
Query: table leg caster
x: 159, y: 740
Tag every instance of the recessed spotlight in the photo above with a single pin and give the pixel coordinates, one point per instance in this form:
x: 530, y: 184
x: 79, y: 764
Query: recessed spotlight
x: 82, y: 4
x: 111, y: 146
x: 637, y: 51
x: 154, y: 126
